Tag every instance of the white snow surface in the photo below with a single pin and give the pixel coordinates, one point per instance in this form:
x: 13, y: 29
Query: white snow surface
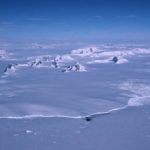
x: 76, y: 83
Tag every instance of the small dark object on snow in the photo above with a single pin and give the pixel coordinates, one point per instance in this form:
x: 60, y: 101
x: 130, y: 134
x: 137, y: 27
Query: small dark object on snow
x: 88, y: 118
x: 115, y: 59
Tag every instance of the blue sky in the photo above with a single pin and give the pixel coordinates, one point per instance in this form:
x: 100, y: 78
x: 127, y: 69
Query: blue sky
x: 75, y: 19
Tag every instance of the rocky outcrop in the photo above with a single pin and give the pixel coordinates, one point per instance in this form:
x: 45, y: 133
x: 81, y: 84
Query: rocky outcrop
x: 54, y: 63
x: 75, y: 68
x: 88, y: 118
x: 10, y: 67
x: 115, y: 59
x: 36, y: 63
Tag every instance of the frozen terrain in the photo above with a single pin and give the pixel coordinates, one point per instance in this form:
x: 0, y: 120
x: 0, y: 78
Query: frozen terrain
x: 88, y: 98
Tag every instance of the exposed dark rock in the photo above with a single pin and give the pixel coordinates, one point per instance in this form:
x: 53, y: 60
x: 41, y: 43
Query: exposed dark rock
x: 55, y: 64
x: 115, y: 59
x: 67, y: 68
x: 33, y: 63
x: 77, y: 67
x: 88, y: 118
x: 91, y: 50
x: 63, y: 70
x: 81, y: 52
x: 9, y: 67
x: 36, y: 63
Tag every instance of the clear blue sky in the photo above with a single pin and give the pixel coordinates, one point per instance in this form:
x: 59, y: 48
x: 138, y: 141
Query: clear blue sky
x: 75, y: 19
